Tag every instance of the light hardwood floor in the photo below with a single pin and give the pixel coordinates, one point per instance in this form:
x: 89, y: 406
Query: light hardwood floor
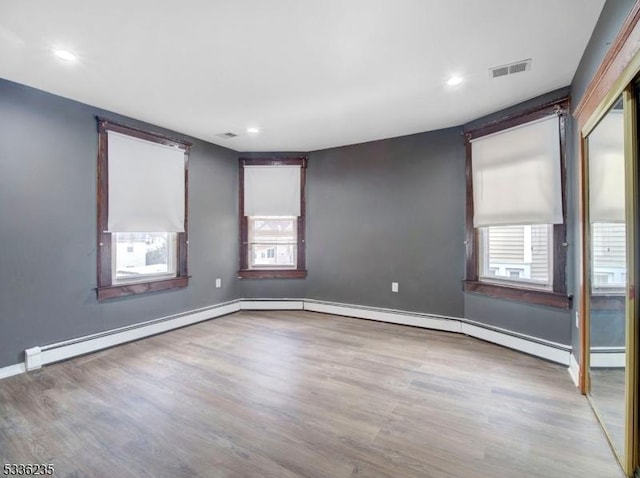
x: 608, y: 397
x: 301, y: 394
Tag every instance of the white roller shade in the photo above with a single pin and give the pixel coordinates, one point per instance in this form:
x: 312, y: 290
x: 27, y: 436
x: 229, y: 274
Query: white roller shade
x: 516, y: 175
x: 272, y: 190
x: 606, y: 169
x: 146, y: 186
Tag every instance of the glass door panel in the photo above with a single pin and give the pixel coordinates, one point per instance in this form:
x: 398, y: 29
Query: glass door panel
x: 608, y: 277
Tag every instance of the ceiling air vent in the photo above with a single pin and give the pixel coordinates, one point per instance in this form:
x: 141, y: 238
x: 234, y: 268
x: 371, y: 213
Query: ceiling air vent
x: 227, y: 135
x: 510, y: 69
x: 500, y: 71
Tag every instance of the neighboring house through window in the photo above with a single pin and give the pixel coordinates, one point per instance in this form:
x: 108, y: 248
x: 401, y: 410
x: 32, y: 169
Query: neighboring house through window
x: 517, y: 252
x: 607, y: 205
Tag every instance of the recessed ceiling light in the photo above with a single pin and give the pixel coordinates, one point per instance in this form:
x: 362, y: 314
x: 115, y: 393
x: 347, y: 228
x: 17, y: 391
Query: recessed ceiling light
x: 253, y: 130
x: 65, y: 55
x: 454, y: 80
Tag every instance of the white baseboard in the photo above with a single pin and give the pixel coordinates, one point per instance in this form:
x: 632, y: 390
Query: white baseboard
x: 265, y: 304
x: 545, y: 349
x: 554, y: 352
x: 384, y: 315
x: 608, y: 357
x: 43, y: 355
x: 72, y: 348
x: 574, y: 370
x: 12, y: 370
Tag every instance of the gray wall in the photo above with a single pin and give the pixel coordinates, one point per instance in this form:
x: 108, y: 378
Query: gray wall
x: 607, y: 328
x: 376, y: 212
x: 537, y: 321
x: 611, y: 19
x: 384, y: 211
x: 48, y: 149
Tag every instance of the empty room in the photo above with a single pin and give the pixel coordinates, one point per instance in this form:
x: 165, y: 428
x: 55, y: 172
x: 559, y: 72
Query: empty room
x: 328, y: 239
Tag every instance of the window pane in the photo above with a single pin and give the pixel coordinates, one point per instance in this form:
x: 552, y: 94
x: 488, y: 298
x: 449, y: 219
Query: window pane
x: 608, y: 250
x: 273, y: 241
x: 273, y: 255
x: 521, y: 254
x: 138, y: 255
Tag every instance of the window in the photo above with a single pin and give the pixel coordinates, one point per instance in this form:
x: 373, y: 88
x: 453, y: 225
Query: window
x: 142, y: 230
x: 608, y: 257
x: 516, y: 231
x: 140, y: 256
x: 517, y: 252
x: 515, y: 273
x: 607, y: 204
x: 272, y: 242
x: 272, y: 218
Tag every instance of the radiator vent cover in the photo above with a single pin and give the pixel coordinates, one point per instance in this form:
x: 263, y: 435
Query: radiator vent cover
x: 510, y: 69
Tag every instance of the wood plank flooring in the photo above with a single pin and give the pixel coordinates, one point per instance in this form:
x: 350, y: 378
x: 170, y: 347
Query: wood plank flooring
x: 301, y: 394
x: 608, y: 397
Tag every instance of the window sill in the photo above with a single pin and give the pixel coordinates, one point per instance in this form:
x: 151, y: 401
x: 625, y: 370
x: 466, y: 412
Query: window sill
x: 272, y: 274
x: 529, y: 296
x: 123, y: 290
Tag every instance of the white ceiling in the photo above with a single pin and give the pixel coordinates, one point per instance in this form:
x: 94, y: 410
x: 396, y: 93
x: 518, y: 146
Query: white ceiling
x: 309, y: 74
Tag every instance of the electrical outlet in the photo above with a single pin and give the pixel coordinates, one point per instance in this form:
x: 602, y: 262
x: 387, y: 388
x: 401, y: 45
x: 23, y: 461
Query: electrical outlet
x: 577, y: 319
x: 218, y: 283
x: 394, y: 287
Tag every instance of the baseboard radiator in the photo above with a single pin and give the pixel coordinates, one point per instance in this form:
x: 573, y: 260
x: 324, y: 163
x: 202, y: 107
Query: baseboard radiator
x: 36, y: 357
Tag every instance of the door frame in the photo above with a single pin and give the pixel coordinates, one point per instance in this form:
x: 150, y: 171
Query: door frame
x: 614, y: 77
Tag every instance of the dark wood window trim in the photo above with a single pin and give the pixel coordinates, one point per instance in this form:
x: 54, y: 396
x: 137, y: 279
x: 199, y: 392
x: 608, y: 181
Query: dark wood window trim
x: 558, y: 296
x: 106, y: 289
x: 300, y: 271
